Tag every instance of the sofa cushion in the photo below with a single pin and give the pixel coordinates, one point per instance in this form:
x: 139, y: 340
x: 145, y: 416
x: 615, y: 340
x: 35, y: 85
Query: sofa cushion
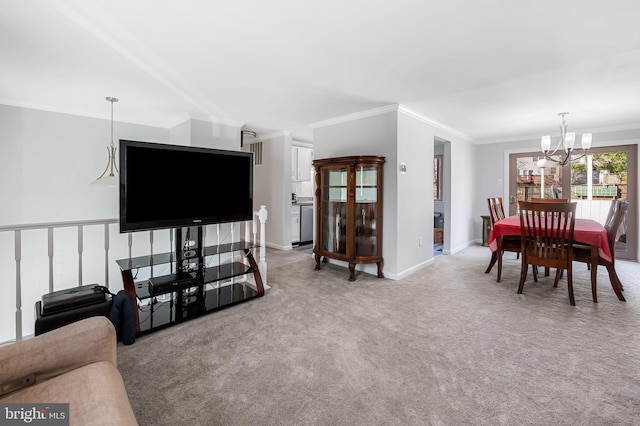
x: 95, y: 393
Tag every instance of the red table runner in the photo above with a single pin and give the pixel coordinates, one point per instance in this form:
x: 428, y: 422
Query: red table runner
x: 586, y: 231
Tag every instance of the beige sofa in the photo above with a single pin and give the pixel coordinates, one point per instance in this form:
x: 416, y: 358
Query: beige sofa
x: 75, y: 364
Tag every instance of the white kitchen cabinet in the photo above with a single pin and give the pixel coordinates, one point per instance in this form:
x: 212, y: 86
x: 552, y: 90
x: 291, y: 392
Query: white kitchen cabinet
x: 294, y: 163
x: 301, y: 159
x: 295, y: 224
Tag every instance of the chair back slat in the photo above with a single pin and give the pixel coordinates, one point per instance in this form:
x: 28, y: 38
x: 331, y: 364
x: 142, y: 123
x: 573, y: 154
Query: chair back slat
x: 496, y: 209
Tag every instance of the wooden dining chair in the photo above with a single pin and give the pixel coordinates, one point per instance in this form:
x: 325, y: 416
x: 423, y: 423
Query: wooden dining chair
x: 589, y: 254
x: 546, y: 232
x: 549, y: 200
x: 509, y: 243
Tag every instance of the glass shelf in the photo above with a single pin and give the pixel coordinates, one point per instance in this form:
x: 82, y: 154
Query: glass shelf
x: 158, y: 258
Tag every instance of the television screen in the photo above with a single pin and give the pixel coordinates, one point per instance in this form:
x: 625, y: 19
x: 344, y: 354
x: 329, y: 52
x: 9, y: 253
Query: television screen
x: 171, y: 186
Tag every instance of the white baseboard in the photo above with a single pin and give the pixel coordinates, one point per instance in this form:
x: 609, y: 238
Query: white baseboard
x: 459, y: 248
x: 411, y: 270
x: 279, y: 247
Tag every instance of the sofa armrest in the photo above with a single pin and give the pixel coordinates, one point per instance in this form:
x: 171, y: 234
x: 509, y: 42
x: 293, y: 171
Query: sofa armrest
x: 56, y: 352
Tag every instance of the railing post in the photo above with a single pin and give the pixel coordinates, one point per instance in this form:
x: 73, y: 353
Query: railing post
x: 50, y: 254
x: 151, y: 251
x: 262, y: 265
x: 172, y: 247
x: 233, y: 255
x: 247, y: 231
x: 80, y: 250
x: 50, y: 227
x: 18, y: 258
x: 247, y: 239
x: 254, y: 224
x: 106, y: 255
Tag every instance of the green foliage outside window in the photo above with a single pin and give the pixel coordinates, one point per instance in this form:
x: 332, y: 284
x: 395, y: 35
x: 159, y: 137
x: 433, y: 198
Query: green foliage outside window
x: 613, y: 162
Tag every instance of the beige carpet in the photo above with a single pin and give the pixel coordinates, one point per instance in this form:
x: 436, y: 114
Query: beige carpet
x: 445, y: 346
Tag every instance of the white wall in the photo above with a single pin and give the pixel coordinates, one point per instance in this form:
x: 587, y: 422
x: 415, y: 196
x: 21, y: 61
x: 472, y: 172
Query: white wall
x: 415, y: 194
x: 368, y: 135
x: 271, y: 187
x: 215, y: 135
x: 48, y: 159
x: 458, y: 183
x: 180, y: 134
x: 462, y: 168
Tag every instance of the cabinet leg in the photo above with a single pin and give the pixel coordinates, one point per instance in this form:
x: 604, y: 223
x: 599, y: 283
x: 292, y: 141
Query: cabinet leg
x: 380, y: 265
x: 352, y: 272
x: 317, y: 256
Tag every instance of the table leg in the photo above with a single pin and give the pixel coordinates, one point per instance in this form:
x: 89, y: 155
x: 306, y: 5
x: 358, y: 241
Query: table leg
x: 499, y: 255
x: 595, y: 257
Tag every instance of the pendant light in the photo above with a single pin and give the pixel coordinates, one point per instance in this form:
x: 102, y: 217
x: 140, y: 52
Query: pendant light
x: 109, y: 177
x: 566, y: 142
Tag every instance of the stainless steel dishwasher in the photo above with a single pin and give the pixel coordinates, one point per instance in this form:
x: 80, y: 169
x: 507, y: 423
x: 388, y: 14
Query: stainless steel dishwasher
x: 306, y: 223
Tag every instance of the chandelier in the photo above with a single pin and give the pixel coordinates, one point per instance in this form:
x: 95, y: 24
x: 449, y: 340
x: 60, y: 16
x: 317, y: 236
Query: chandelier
x: 109, y: 177
x: 567, y: 142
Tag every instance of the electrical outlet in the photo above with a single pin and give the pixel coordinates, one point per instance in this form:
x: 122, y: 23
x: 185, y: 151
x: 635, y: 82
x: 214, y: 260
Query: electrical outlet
x: 499, y: 181
x: 420, y: 242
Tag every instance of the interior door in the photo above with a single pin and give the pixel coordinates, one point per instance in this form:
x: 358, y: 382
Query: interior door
x: 592, y: 181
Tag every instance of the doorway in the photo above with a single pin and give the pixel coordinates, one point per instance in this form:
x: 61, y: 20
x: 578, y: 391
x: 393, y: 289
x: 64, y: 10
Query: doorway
x: 592, y: 181
x: 441, y: 195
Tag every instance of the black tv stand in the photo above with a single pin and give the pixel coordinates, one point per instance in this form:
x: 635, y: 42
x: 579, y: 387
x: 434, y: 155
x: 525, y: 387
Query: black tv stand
x: 191, y: 288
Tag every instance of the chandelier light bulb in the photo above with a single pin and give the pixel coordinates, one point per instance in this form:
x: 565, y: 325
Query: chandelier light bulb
x: 569, y: 141
x: 586, y: 141
x: 545, y: 143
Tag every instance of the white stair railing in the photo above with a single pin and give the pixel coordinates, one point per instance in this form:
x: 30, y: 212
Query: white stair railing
x: 124, y: 244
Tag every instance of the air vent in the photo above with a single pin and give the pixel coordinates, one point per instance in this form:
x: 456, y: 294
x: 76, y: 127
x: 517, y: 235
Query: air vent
x: 256, y: 149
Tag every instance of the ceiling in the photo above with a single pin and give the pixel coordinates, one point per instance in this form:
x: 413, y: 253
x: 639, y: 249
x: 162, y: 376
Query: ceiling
x: 494, y: 70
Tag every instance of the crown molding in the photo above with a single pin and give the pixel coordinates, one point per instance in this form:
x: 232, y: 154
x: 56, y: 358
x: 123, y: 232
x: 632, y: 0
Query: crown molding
x: 355, y: 116
x: 594, y: 130
x: 78, y: 113
x: 274, y: 135
x: 217, y: 120
x: 393, y: 108
x: 433, y: 123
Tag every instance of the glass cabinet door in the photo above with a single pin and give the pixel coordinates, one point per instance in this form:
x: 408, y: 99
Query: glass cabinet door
x: 366, y: 194
x: 334, y: 210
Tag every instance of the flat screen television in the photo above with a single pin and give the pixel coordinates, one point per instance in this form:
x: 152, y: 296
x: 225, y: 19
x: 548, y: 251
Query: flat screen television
x: 173, y: 186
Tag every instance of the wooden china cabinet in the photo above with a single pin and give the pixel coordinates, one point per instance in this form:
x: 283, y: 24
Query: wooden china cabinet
x: 349, y: 211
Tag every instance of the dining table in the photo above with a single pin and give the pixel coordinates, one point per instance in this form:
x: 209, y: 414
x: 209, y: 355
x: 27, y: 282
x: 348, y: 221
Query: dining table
x: 586, y: 231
